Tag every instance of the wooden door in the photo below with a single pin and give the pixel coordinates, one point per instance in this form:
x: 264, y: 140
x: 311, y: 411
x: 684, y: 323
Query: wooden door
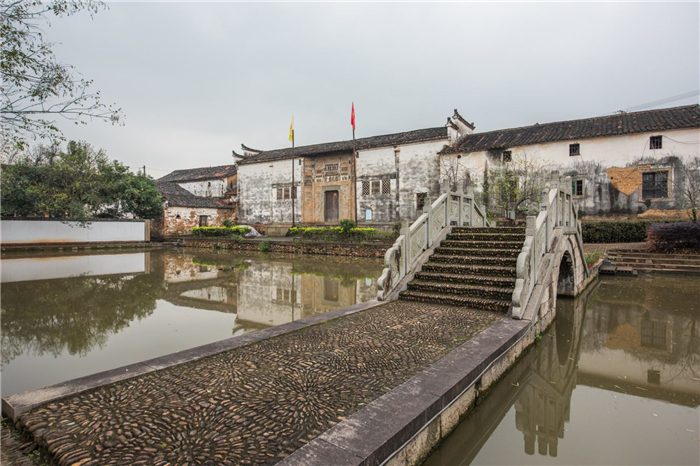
x: 331, y: 206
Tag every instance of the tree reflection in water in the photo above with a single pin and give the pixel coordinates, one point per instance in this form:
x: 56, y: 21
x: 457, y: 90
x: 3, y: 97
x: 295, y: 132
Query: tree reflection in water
x: 72, y: 314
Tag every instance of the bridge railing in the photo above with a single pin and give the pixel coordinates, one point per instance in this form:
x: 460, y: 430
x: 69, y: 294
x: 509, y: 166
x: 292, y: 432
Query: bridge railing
x: 450, y: 209
x: 557, y: 210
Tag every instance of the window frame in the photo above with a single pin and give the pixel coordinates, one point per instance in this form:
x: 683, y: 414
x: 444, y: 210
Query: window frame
x: 574, y: 149
x: 507, y: 156
x: 378, y: 185
x: 575, y: 180
x: 668, y: 190
x: 656, y: 142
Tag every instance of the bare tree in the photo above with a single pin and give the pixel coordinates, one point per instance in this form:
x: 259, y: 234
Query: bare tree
x: 36, y: 88
x: 456, y: 174
x: 687, y: 182
x: 517, y: 185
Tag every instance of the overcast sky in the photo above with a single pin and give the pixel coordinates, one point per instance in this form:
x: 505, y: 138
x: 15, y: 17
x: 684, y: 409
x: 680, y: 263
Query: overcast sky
x: 195, y: 80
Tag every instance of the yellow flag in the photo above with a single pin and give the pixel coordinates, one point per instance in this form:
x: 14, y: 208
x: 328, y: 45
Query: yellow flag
x: 291, y: 131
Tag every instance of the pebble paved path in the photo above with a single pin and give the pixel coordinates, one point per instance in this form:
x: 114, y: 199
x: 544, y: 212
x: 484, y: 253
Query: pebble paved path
x: 255, y: 404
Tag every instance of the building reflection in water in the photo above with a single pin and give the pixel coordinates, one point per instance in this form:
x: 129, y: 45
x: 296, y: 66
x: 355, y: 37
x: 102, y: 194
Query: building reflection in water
x: 112, y: 309
x: 629, y: 336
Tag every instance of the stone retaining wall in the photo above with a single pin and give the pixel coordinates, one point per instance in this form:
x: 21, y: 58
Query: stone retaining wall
x: 291, y: 247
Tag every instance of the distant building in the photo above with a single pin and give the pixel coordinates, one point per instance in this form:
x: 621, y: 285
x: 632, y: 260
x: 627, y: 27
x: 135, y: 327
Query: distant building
x: 196, y: 197
x: 396, y: 175
x: 621, y: 165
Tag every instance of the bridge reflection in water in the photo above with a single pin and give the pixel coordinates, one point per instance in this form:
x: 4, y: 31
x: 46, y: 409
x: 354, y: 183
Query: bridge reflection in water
x: 632, y: 348
x: 87, y: 313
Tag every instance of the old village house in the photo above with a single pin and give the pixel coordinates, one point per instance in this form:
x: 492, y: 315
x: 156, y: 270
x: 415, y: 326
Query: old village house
x: 194, y: 198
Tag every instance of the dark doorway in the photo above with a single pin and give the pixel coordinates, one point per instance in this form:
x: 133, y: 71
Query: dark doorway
x: 203, y: 221
x: 331, y: 206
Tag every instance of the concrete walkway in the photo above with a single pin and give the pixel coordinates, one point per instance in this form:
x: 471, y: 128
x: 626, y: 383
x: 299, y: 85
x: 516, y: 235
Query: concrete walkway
x: 259, y: 403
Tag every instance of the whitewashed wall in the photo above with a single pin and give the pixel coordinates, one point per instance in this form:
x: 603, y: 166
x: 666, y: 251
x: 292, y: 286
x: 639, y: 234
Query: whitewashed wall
x: 610, y: 151
x: 257, y: 197
x: 54, y: 231
x: 208, y: 188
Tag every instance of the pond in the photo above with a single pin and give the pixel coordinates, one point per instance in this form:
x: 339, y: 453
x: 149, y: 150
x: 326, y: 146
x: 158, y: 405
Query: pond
x: 616, y: 380
x: 71, y: 315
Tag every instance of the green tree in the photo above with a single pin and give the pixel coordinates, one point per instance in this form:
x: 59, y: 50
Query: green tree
x: 36, y: 87
x: 76, y: 184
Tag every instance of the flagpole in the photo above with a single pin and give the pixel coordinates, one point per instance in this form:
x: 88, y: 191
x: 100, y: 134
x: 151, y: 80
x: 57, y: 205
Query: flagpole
x: 294, y: 188
x: 354, y: 173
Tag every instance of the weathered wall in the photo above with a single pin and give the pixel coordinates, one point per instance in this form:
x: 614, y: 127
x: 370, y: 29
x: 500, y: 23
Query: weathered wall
x: 257, y: 192
x: 611, y: 168
x: 419, y: 172
x: 25, y: 231
x: 207, y: 188
x: 179, y: 221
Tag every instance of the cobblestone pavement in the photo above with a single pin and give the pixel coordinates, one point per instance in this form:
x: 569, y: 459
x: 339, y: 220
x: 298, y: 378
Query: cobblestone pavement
x: 259, y: 403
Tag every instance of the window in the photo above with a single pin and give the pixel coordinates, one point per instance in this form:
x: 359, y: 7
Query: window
x: 653, y: 334
x: 368, y: 215
x: 286, y: 193
x: 655, y: 142
x: 507, y: 156
x: 386, y: 186
x: 365, y: 188
x: 331, y: 167
x: 655, y: 185
x: 376, y: 184
x: 574, y: 149
x: 420, y: 201
x: 330, y: 289
x: 577, y: 187
x: 203, y: 220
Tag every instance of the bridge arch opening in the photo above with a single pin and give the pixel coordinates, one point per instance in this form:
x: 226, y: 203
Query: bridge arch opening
x: 565, y: 281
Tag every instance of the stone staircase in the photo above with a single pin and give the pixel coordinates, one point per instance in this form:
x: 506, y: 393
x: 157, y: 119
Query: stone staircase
x: 472, y: 267
x: 649, y: 262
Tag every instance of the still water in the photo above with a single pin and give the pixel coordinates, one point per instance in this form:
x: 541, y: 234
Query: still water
x: 73, y: 315
x: 616, y: 380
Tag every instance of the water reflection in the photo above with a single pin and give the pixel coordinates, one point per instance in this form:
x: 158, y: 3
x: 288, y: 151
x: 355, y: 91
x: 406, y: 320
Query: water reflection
x: 621, y: 362
x: 87, y: 314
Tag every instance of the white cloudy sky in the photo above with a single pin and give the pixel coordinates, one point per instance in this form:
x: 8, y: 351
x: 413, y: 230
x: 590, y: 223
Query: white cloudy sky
x: 196, y: 80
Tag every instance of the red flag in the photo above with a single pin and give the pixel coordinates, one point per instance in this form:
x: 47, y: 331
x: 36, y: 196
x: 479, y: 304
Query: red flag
x: 352, y: 116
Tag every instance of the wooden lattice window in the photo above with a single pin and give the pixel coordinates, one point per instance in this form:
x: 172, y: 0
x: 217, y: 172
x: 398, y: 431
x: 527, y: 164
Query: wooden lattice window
x: 280, y: 194
x: 421, y: 198
x: 365, y: 188
x: 577, y: 187
x: 574, y: 149
x: 655, y: 142
x: 653, y: 334
x: 507, y: 156
x: 376, y: 186
x: 386, y: 186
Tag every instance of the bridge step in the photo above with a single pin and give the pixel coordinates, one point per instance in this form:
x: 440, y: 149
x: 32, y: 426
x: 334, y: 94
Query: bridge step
x: 474, y: 291
x: 490, y: 270
x: 457, y: 300
x: 520, y: 230
x: 471, y: 244
x: 483, y: 252
x: 487, y: 236
x: 483, y: 280
x: 476, y: 260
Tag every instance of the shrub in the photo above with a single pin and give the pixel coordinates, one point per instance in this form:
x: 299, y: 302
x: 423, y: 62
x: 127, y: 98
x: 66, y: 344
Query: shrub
x: 396, y: 228
x: 227, y: 223
x: 592, y: 257
x: 616, y: 232
x: 347, y: 225
x: 337, y: 233
x: 265, y: 246
x: 220, y: 231
x: 669, y: 236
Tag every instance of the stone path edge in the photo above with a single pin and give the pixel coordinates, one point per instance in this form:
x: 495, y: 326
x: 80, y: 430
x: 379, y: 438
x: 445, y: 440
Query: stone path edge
x: 15, y: 405
x: 385, y: 426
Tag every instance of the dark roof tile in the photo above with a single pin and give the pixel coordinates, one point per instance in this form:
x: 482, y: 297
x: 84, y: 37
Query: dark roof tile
x: 180, y: 197
x: 407, y: 137
x: 198, y: 174
x: 614, y: 125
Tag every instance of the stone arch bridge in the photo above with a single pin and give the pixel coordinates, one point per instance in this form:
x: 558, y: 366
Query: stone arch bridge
x: 452, y: 255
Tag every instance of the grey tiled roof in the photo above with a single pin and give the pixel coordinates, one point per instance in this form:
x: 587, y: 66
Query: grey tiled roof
x: 614, y: 125
x: 180, y: 197
x: 198, y: 174
x: 407, y: 137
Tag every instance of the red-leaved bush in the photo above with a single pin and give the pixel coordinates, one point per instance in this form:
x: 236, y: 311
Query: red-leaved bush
x: 668, y: 236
